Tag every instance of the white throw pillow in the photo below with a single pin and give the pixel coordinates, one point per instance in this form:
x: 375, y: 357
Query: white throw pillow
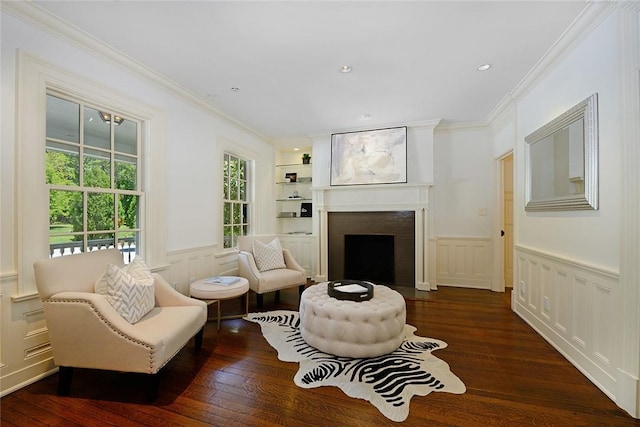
x: 137, y: 268
x: 131, y: 298
x: 268, y: 256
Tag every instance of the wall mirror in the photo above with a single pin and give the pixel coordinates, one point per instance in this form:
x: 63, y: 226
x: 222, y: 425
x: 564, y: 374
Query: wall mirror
x: 561, y: 161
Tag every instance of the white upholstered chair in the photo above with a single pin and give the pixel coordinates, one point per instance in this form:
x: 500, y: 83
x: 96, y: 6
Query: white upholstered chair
x: 86, y: 331
x: 270, y: 280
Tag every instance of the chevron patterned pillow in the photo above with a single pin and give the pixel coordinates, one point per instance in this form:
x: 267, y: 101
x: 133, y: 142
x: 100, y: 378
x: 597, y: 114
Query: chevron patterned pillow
x: 137, y: 268
x: 268, y: 256
x: 131, y: 298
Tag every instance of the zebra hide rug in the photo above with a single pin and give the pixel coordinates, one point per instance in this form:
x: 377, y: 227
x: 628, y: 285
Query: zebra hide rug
x: 388, y: 382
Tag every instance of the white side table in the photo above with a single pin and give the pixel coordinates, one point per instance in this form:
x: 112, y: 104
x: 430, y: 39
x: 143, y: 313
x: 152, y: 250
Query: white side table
x: 214, y: 293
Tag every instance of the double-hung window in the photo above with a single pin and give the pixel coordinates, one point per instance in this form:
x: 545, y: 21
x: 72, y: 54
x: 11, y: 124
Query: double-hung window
x: 236, y: 199
x: 93, y: 167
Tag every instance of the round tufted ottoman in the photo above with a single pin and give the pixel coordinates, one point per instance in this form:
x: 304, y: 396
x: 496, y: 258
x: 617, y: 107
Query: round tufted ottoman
x: 352, y: 329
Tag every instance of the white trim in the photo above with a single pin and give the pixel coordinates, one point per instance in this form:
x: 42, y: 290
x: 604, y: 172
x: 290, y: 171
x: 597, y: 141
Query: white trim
x: 572, y: 305
x: 590, y: 17
x: 31, y: 380
x: 34, y: 77
x: 629, y: 295
x: 464, y: 262
x: 604, y: 272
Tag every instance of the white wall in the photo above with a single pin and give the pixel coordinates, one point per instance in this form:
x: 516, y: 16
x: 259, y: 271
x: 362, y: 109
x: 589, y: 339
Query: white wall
x: 192, y: 142
x: 464, y: 182
x: 567, y: 264
x: 592, y: 237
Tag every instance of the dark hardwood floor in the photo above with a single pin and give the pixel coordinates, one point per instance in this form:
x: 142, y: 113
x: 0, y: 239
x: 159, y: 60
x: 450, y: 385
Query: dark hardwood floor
x: 513, y: 377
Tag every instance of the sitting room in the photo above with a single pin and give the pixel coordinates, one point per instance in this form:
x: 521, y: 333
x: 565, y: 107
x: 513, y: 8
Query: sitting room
x: 263, y: 213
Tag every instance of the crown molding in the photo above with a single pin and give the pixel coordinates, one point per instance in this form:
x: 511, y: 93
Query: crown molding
x: 590, y: 17
x: 36, y: 16
x: 445, y: 126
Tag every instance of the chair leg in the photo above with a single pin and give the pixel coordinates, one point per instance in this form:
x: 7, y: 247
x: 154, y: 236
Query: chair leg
x: 198, y: 339
x: 301, y: 289
x: 65, y: 374
x: 278, y: 296
x: 152, y: 387
x: 260, y: 298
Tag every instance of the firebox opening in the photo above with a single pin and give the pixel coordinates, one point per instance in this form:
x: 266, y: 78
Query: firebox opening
x: 369, y: 257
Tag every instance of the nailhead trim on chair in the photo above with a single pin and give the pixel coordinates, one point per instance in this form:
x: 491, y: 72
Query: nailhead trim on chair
x: 113, y: 328
x: 95, y: 310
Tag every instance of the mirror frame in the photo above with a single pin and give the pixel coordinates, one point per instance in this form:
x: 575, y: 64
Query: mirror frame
x: 588, y: 111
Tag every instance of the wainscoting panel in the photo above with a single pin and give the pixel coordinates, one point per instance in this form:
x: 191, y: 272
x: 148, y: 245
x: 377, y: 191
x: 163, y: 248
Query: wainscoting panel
x: 189, y: 265
x: 573, y: 306
x: 25, y: 349
x: 302, y: 248
x: 463, y: 262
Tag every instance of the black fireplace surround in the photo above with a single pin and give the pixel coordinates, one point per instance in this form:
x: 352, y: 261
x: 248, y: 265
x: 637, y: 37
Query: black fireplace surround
x: 374, y: 246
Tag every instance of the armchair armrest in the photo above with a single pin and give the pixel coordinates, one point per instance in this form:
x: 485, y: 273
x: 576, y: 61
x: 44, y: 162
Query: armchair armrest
x: 96, y: 313
x: 248, y: 269
x: 85, y: 331
x: 291, y: 262
x: 166, y: 296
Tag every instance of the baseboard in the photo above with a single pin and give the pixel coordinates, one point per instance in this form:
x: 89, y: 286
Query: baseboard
x: 29, y: 375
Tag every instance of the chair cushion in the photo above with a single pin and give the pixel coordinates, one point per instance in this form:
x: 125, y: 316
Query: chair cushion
x: 132, y: 298
x: 268, y: 256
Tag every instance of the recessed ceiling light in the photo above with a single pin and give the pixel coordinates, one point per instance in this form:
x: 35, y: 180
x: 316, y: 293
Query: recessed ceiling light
x: 484, y: 67
x: 235, y: 89
x: 296, y: 149
x: 345, y: 69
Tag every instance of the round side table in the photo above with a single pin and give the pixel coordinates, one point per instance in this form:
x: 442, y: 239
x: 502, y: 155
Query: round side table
x: 211, y: 293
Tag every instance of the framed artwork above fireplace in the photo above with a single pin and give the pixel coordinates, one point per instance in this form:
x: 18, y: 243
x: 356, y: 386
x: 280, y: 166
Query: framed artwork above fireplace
x: 369, y: 157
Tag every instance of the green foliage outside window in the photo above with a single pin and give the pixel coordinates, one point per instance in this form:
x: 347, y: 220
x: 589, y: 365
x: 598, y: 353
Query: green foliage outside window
x: 236, y: 205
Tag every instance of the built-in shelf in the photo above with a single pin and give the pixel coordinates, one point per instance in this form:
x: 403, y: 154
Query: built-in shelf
x: 292, y: 198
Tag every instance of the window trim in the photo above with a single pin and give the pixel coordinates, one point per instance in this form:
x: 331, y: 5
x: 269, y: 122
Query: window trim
x: 81, y: 187
x: 35, y: 78
x: 228, y: 146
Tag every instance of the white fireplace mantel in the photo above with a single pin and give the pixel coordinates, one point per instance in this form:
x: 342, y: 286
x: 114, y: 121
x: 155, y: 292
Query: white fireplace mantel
x: 376, y: 198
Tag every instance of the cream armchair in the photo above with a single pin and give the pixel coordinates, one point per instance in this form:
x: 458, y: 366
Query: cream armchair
x: 86, y: 331
x: 262, y: 282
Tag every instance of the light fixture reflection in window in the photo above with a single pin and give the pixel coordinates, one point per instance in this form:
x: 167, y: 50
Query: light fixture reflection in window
x: 106, y: 117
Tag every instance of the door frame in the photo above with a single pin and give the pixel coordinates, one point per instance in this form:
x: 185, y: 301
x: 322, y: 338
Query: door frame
x: 498, y: 244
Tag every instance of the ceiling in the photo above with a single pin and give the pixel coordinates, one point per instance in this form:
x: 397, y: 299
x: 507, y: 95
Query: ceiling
x: 411, y: 61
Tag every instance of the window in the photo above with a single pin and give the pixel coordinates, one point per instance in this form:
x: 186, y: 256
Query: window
x: 236, y: 205
x: 92, y: 169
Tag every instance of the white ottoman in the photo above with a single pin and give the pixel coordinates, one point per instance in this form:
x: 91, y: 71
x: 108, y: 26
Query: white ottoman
x: 214, y: 293
x: 349, y: 328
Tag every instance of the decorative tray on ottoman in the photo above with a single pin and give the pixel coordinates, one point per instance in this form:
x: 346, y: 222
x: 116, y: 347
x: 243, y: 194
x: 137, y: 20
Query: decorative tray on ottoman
x: 350, y: 290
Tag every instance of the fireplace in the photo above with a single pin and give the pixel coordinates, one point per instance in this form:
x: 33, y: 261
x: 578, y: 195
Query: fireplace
x: 370, y: 257
x: 375, y: 246
x: 399, y: 210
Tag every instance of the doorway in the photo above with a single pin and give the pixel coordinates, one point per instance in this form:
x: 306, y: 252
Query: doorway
x: 507, y: 219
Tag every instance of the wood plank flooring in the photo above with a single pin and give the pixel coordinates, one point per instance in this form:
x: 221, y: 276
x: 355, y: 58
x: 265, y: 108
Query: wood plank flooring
x: 513, y: 378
